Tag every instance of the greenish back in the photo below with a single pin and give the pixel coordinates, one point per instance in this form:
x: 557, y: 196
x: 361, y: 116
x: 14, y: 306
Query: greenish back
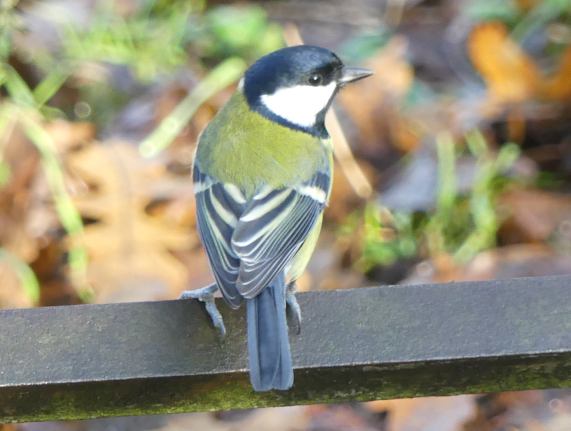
x: 239, y: 141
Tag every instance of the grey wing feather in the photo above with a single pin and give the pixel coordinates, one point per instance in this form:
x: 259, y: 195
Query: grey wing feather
x: 272, y: 229
x: 217, y: 214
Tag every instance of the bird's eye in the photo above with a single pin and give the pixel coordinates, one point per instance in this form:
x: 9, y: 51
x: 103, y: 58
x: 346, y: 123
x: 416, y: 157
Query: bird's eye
x: 315, y: 79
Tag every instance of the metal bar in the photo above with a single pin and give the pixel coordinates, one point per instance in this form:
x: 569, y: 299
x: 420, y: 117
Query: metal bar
x: 385, y: 342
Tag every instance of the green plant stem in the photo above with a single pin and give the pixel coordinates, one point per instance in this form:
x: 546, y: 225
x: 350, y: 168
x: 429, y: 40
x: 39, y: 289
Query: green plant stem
x: 18, y: 89
x: 50, y: 85
x: 446, y: 173
x: 482, y: 198
x: 446, y: 195
x: 67, y: 213
x: 26, y: 275
x: 221, y: 77
x: 66, y: 210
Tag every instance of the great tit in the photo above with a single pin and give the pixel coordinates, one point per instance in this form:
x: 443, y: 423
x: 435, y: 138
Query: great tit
x: 262, y: 177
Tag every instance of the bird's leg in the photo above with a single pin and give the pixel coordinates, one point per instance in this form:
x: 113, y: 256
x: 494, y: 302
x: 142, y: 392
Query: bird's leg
x: 293, y: 307
x: 206, y: 295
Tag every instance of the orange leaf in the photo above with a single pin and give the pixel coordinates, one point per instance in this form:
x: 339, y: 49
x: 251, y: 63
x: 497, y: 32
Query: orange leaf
x: 558, y: 86
x: 510, y: 74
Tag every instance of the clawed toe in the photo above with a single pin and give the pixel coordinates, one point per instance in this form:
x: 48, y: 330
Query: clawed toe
x: 206, y: 295
x: 294, y: 311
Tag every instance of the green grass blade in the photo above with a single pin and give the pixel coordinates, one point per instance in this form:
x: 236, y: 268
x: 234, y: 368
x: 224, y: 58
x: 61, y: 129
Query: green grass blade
x: 221, y: 77
x: 51, y: 84
x: 18, y: 89
x: 446, y: 173
x: 26, y: 275
x: 66, y: 210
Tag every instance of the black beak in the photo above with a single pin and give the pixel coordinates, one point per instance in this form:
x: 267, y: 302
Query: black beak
x: 352, y: 74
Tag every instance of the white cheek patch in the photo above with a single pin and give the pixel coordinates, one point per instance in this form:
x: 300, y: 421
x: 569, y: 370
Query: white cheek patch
x: 300, y: 104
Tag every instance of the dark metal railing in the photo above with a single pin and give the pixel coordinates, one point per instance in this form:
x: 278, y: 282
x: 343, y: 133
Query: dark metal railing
x: 385, y: 342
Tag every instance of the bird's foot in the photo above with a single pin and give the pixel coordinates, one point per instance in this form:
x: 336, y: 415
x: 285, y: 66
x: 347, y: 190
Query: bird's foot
x: 293, y: 307
x: 206, y: 295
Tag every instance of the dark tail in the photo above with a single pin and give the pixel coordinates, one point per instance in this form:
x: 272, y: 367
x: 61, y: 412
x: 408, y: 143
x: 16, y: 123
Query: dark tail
x: 268, y: 343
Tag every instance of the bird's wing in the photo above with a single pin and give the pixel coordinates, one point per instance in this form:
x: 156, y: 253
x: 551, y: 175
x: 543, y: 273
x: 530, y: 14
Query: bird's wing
x: 273, y: 227
x: 218, y: 207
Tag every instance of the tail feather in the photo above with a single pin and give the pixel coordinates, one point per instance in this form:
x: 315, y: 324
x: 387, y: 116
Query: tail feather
x: 268, y: 343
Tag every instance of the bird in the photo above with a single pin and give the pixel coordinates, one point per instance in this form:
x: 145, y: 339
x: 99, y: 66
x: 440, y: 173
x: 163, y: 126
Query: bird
x: 262, y: 177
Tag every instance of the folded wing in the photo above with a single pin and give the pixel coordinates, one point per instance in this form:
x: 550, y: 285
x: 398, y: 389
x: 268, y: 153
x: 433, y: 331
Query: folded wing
x: 218, y: 207
x: 250, y: 242
x: 272, y: 229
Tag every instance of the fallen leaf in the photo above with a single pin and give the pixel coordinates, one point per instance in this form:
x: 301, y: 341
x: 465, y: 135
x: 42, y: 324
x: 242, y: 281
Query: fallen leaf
x: 68, y: 135
x: 17, y: 195
x: 12, y: 294
x: 510, y: 74
x: 547, y: 410
x: 558, y: 86
x: 333, y: 417
x: 373, y: 105
x: 532, y: 215
x: 521, y: 260
x: 129, y: 249
x: 426, y: 414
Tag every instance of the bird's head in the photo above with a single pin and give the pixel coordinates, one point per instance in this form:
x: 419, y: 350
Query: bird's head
x: 295, y: 86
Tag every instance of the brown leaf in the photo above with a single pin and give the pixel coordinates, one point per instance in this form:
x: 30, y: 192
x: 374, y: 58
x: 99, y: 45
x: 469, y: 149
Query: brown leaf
x: 17, y: 196
x: 516, y: 261
x: 336, y: 417
x: 510, y: 74
x: 12, y: 294
x: 372, y: 104
x: 533, y: 215
x: 546, y: 410
x: 558, y: 86
x: 49, y: 267
x: 129, y: 249
x: 427, y: 414
x: 67, y: 135
x: 522, y: 260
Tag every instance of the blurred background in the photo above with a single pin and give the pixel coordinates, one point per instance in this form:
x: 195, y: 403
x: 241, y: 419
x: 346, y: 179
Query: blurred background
x: 459, y: 165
